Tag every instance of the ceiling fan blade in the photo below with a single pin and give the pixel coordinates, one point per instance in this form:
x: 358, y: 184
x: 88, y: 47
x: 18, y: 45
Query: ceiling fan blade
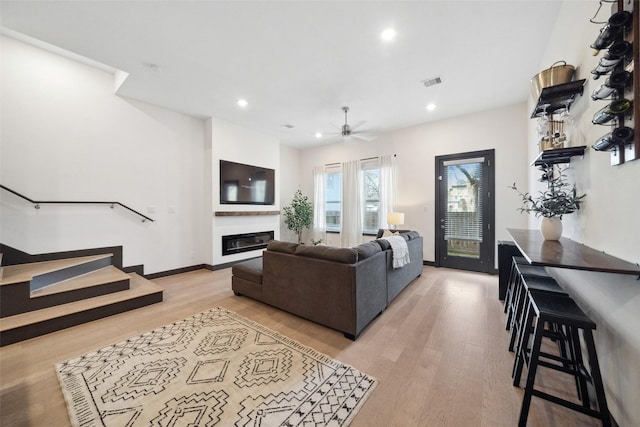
x: 364, y: 136
x: 358, y: 125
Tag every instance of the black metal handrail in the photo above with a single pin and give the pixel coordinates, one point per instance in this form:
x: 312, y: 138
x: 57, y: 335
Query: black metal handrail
x: 37, y: 203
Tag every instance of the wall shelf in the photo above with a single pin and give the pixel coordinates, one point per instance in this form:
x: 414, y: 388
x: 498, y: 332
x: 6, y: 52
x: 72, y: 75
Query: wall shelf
x: 558, y: 97
x: 558, y: 155
x: 245, y: 213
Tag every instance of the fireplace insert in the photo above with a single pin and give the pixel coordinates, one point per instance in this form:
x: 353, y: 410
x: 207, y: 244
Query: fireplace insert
x: 236, y: 243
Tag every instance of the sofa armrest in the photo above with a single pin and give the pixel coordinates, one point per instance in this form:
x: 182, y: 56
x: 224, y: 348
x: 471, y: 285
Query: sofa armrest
x: 399, y: 278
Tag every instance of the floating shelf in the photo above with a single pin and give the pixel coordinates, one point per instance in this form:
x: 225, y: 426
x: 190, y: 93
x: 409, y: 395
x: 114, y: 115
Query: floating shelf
x: 558, y: 155
x: 557, y: 97
x: 245, y: 213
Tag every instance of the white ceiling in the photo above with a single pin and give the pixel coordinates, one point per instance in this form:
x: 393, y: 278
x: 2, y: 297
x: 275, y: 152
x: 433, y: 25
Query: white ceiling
x: 299, y: 62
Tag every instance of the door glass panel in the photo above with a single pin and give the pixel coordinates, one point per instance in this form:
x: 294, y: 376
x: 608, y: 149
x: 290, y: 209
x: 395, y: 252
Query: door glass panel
x: 463, y: 214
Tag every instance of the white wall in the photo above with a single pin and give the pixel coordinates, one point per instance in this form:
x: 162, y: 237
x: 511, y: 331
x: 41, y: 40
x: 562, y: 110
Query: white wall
x: 66, y: 136
x: 606, y: 222
x: 503, y: 129
x: 291, y: 177
x: 237, y: 144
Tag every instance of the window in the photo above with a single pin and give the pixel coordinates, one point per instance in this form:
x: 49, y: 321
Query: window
x: 333, y: 195
x: 370, y: 194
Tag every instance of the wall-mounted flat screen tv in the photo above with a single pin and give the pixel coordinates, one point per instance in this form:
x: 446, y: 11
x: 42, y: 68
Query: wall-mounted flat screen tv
x: 242, y: 184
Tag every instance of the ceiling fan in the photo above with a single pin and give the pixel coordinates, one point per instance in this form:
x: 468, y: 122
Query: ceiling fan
x: 347, y: 131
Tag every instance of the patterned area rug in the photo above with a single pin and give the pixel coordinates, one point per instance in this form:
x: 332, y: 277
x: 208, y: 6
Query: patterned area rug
x: 214, y: 368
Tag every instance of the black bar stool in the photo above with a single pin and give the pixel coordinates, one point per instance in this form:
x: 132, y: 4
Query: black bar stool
x: 562, y: 315
x: 512, y: 278
x: 525, y: 285
x: 519, y: 267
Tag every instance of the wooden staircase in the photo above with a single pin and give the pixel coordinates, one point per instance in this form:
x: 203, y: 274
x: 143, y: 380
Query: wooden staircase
x: 37, y: 298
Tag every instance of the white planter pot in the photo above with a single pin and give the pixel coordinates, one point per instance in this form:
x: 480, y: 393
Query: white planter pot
x: 551, y: 228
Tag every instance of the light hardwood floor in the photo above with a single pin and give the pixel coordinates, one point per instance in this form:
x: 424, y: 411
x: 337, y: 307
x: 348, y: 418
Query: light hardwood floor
x: 439, y: 351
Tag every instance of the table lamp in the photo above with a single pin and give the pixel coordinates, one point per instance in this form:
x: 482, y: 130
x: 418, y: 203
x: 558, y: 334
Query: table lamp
x: 395, y: 218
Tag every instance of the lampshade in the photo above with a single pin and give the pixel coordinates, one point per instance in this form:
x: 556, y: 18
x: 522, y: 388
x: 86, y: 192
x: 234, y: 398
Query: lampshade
x: 395, y: 218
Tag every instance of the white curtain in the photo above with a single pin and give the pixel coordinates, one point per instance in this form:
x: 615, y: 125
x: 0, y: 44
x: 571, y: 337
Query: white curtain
x: 319, y: 214
x: 351, y: 224
x: 387, y: 188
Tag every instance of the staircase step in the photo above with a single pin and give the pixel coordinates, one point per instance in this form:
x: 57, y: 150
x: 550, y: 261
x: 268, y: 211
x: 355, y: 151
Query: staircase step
x: 23, y: 326
x: 12, y: 274
x: 107, y: 274
x: 95, y: 283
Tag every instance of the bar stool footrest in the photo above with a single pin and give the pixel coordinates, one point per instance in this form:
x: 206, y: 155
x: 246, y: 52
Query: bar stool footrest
x: 559, y: 368
x: 566, y: 403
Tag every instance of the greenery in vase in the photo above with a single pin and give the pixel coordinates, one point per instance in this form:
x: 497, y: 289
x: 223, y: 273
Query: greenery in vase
x: 559, y: 198
x: 299, y: 214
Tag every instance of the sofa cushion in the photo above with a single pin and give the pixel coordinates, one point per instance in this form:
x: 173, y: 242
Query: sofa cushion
x: 250, y: 270
x: 329, y: 253
x: 381, y: 232
x: 384, y: 244
x: 284, y: 247
x: 413, y: 235
x: 365, y: 250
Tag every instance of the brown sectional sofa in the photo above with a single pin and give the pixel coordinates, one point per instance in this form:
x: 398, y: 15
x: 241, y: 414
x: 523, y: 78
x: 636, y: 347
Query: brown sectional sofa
x: 342, y: 288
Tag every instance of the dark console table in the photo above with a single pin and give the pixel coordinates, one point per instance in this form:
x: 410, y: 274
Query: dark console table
x: 566, y: 253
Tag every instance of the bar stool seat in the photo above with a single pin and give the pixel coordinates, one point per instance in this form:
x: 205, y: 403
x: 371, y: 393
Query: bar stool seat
x: 559, y: 314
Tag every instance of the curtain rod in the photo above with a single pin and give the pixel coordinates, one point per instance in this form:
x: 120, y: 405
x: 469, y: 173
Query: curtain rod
x: 362, y: 160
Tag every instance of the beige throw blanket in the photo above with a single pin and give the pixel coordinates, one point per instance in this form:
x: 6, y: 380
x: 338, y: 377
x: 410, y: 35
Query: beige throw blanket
x: 399, y: 250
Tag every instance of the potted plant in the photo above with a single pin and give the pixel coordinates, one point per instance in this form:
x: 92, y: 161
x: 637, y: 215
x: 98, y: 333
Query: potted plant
x: 558, y: 199
x: 299, y: 214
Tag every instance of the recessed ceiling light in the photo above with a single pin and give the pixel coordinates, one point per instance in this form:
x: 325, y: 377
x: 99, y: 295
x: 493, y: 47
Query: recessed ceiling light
x: 242, y: 102
x: 318, y: 135
x: 388, y: 34
x: 431, y: 107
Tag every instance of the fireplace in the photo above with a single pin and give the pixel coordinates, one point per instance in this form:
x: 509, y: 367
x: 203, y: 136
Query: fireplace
x: 237, y: 243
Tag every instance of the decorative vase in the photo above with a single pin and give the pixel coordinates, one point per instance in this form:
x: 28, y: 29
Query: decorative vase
x: 551, y: 228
